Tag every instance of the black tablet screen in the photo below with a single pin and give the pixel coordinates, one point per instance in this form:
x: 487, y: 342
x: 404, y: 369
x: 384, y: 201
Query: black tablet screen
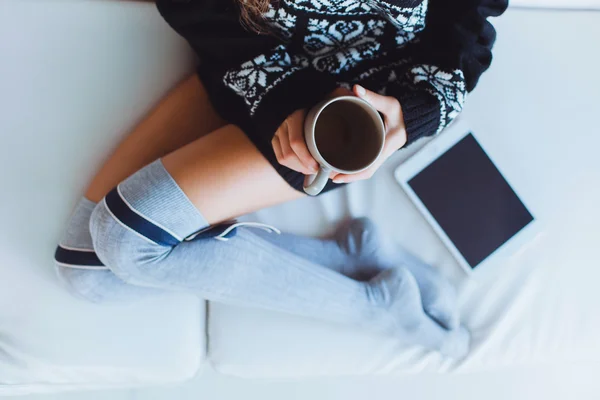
x: 471, y: 201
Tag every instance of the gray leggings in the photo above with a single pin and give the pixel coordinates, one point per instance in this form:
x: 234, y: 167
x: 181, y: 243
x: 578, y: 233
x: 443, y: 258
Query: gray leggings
x: 143, y: 239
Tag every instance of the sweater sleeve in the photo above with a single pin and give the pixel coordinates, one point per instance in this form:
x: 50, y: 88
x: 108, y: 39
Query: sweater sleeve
x: 246, y: 74
x: 446, y: 60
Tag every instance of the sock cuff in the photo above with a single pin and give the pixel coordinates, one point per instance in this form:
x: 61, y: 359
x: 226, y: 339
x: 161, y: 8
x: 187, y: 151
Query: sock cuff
x: 77, y: 235
x: 153, y: 194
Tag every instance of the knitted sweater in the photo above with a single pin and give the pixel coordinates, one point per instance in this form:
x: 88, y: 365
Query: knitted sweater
x: 426, y: 53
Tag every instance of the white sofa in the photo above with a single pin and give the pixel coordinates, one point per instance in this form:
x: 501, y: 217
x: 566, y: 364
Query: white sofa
x: 71, y: 87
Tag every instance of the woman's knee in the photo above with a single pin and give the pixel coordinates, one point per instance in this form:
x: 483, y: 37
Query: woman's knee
x: 81, y: 265
x: 139, y: 222
x: 112, y: 243
x: 75, y: 259
x: 126, y: 252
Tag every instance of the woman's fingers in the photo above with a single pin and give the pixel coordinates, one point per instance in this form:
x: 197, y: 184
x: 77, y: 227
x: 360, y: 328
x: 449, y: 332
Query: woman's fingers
x: 289, y: 146
x: 277, y: 148
x: 289, y: 157
x: 393, y: 141
x: 291, y: 150
x: 389, y: 148
x: 366, y: 174
x: 295, y: 124
x: 387, y: 105
x: 396, y: 136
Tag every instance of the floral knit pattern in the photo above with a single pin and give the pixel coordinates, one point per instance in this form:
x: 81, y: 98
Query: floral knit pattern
x: 281, y: 22
x: 340, y: 35
x: 405, y: 18
x: 330, y: 7
x: 447, y: 87
x: 427, y: 54
x: 254, y: 78
x: 339, y: 46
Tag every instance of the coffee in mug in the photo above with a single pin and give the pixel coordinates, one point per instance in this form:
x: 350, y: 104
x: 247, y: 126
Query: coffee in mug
x: 345, y: 135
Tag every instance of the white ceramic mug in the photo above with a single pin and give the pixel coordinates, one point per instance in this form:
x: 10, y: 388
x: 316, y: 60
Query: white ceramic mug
x: 345, y: 135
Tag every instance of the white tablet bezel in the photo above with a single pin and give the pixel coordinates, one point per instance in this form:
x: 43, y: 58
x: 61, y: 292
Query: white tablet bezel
x: 430, y: 152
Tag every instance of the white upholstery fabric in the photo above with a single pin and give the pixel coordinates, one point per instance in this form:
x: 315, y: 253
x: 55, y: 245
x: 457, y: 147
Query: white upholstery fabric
x: 75, y: 77
x: 536, y: 114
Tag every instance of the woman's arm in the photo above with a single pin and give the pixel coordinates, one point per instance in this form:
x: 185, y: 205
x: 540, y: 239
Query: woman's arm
x: 422, y: 90
x: 439, y: 59
x: 446, y: 61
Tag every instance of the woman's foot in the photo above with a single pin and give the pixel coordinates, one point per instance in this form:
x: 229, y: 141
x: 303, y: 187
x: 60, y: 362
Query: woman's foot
x: 397, y: 293
x: 360, y: 239
x: 369, y: 252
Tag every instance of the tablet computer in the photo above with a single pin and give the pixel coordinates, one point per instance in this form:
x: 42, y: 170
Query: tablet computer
x: 467, y: 200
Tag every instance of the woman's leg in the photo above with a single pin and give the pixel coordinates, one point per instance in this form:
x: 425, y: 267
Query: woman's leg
x: 360, y: 251
x: 138, y: 230
x: 242, y: 275
x: 80, y: 274
x: 357, y: 250
x: 183, y: 116
x: 225, y: 176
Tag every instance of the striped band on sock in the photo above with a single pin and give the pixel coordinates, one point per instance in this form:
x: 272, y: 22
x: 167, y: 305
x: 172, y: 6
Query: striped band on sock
x: 154, y: 195
x: 75, y: 249
x: 151, y: 203
x: 77, y: 258
x: 134, y: 220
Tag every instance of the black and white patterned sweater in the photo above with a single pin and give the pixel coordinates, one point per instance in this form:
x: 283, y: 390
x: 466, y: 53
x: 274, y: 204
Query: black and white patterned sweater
x: 426, y: 53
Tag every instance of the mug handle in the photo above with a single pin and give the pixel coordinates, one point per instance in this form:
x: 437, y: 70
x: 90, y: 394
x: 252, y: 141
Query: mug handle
x: 314, y: 184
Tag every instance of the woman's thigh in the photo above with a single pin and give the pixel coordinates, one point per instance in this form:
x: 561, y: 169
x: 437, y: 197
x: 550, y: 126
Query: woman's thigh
x: 225, y: 176
x: 183, y: 116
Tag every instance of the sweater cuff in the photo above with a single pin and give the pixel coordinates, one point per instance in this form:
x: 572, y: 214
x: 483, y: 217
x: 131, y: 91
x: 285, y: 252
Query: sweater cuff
x: 421, y: 111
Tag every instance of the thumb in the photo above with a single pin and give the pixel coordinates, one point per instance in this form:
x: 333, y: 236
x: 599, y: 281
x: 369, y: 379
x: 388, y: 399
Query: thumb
x: 389, y: 106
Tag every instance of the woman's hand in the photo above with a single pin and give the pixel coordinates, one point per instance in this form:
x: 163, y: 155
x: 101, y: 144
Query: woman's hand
x: 395, y: 135
x: 289, y: 145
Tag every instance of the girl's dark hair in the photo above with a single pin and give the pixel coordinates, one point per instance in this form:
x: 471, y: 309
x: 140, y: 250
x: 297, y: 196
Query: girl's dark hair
x: 251, y: 12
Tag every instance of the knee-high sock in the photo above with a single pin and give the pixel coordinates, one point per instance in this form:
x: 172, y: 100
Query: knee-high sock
x: 81, y: 272
x: 138, y: 231
x: 349, y: 252
x: 357, y: 250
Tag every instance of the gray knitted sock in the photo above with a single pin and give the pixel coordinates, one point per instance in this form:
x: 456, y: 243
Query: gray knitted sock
x: 360, y: 251
x: 135, y: 233
x: 96, y: 284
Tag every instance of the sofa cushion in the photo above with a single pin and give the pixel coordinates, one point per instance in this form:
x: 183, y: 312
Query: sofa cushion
x: 66, y: 101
